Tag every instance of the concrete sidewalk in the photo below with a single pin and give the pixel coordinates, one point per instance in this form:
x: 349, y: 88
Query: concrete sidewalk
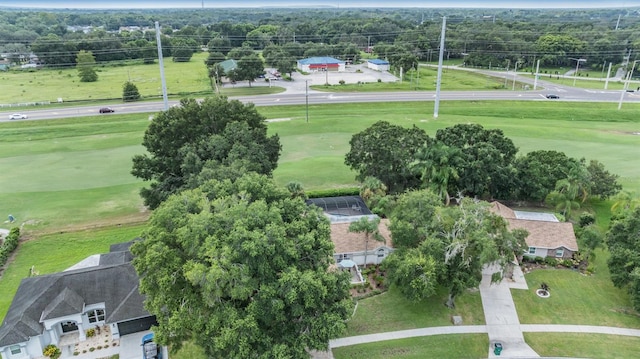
x: 401, y: 334
x: 501, y: 318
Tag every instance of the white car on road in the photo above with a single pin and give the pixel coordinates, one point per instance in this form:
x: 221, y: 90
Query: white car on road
x: 18, y: 116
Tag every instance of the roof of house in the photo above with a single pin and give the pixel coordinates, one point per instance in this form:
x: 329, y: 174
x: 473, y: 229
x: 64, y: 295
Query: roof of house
x: 378, y: 62
x: 352, y: 242
x: 543, y: 234
x: 59, y: 294
x: 544, y: 229
x: 228, y: 65
x: 320, y: 60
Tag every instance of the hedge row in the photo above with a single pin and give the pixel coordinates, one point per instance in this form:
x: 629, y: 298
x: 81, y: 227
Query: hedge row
x: 333, y: 192
x: 9, y: 245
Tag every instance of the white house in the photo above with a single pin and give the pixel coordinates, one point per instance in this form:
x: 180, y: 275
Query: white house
x: 321, y: 63
x: 378, y: 65
x: 100, y: 293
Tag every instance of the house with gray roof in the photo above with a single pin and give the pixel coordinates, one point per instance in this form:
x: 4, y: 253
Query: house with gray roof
x: 59, y: 308
x: 547, y: 237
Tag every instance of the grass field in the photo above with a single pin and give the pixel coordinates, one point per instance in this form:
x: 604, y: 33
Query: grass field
x: 573, y: 295
x: 462, y: 346
x: 579, y: 345
x: 390, y: 311
x: 73, y: 172
x: 62, y: 175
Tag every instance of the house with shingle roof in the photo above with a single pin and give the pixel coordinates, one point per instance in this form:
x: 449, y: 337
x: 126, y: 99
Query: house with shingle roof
x: 59, y: 308
x: 547, y: 237
x: 352, y: 246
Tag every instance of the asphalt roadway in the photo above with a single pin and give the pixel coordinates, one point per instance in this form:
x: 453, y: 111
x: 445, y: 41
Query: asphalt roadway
x: 297, y: 93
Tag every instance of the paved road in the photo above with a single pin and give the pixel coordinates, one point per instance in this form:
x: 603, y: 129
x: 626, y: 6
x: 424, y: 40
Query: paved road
x: 297, y: 93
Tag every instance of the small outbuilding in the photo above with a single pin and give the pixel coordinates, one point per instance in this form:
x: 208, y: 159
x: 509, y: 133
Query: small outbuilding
x: 321, y: 63
x: 378, y: 65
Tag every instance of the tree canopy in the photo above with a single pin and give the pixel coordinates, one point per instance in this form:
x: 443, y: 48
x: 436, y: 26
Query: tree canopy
x: 446, y: 245
x: 624, y: 263
x: 385, y: 151
x: 186, y: 145
x: 241, y: 268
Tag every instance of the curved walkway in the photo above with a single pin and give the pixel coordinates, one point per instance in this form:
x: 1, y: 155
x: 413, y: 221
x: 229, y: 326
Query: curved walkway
x: 502, y: 323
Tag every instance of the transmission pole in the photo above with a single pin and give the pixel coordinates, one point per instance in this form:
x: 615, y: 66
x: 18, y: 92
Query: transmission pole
x: 440, y: 58
x: 161, y: 62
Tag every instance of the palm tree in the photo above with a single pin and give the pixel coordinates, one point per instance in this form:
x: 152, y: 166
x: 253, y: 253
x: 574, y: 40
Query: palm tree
x: 625, y: 201
x: 368, y: 227
x: 436, y: 164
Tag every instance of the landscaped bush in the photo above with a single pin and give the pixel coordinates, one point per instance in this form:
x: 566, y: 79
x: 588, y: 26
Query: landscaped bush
x: 9, y: 245
x: 586, y: 219
x: 91, y: 332
x: 52, y: 351
x: 334, y: 192
x: 551, y: 261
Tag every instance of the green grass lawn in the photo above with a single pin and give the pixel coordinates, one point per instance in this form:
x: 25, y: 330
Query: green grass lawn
x: 576, y: 298
x: 71, y: 172
x: 579, y: 345
x: 436, y: 347
x: 390, y: 311
x: 61, y: 175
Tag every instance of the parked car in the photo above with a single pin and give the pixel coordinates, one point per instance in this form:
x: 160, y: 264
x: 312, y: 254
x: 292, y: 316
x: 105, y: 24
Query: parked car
x: 553, y: 96
x: 106, y: 110
x: 150, y: 350
x: 18, y: 116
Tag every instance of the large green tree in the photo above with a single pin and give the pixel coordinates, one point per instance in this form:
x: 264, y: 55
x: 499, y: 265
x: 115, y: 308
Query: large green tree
x: 85, y: 63
x: 242, y: 269
x: 538, y: 172
x: 486, y: 165
x: 385, y: 151
x: 624, y: 263
x: 448, y: 246
x: 215, y: 138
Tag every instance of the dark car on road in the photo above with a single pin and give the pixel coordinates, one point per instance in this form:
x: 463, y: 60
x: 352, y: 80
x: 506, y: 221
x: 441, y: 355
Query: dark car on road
x: 106, y: 110
x: 553, y: 96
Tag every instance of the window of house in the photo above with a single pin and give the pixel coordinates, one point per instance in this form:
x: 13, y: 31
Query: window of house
x: 380, y: 253
x: 96, y: 315
x: 15, y: 349
x: 560, y: 252
x: 532, y: 250
x: 343, y: 256
x: 69, y: 327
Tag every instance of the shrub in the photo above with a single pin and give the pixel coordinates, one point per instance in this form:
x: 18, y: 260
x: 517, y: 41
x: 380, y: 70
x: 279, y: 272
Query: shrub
x: 76, y: 353
x: 341, y: 82
x: 334, y: 192
x: 99, y: 347
x: 92, y: 349
x: 586, y: 219
x: 550, y: 261
x: 91, y: 332
x: 52, y: 351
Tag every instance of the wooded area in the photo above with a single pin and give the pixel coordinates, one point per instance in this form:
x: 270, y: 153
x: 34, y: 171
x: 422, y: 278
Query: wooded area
x: 483, y: 37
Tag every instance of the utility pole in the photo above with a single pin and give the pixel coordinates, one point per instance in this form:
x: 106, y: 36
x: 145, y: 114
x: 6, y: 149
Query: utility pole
x: 535, y: 81
x: 606, y: 82
x: 161, y: 62
x: 507, y: 73
x: 618, y: 22
x: 440, y: 56
x: 515, y: 73
x: 306, y: 97
x: 626, y: 84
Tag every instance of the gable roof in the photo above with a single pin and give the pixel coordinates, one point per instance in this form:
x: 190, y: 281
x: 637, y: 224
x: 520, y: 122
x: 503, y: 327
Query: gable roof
x: 544, y: 231
x: 63, y: 293
x: 543, y: 234
x: 320, y: 60
x: 351, y: 242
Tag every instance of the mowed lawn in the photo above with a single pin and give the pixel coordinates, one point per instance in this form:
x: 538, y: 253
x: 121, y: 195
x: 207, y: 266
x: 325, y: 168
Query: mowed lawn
x: 51, y: 84
x: 61, y: 175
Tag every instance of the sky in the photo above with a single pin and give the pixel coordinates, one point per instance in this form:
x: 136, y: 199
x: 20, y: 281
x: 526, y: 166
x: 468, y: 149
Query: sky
x: 156, y: 4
